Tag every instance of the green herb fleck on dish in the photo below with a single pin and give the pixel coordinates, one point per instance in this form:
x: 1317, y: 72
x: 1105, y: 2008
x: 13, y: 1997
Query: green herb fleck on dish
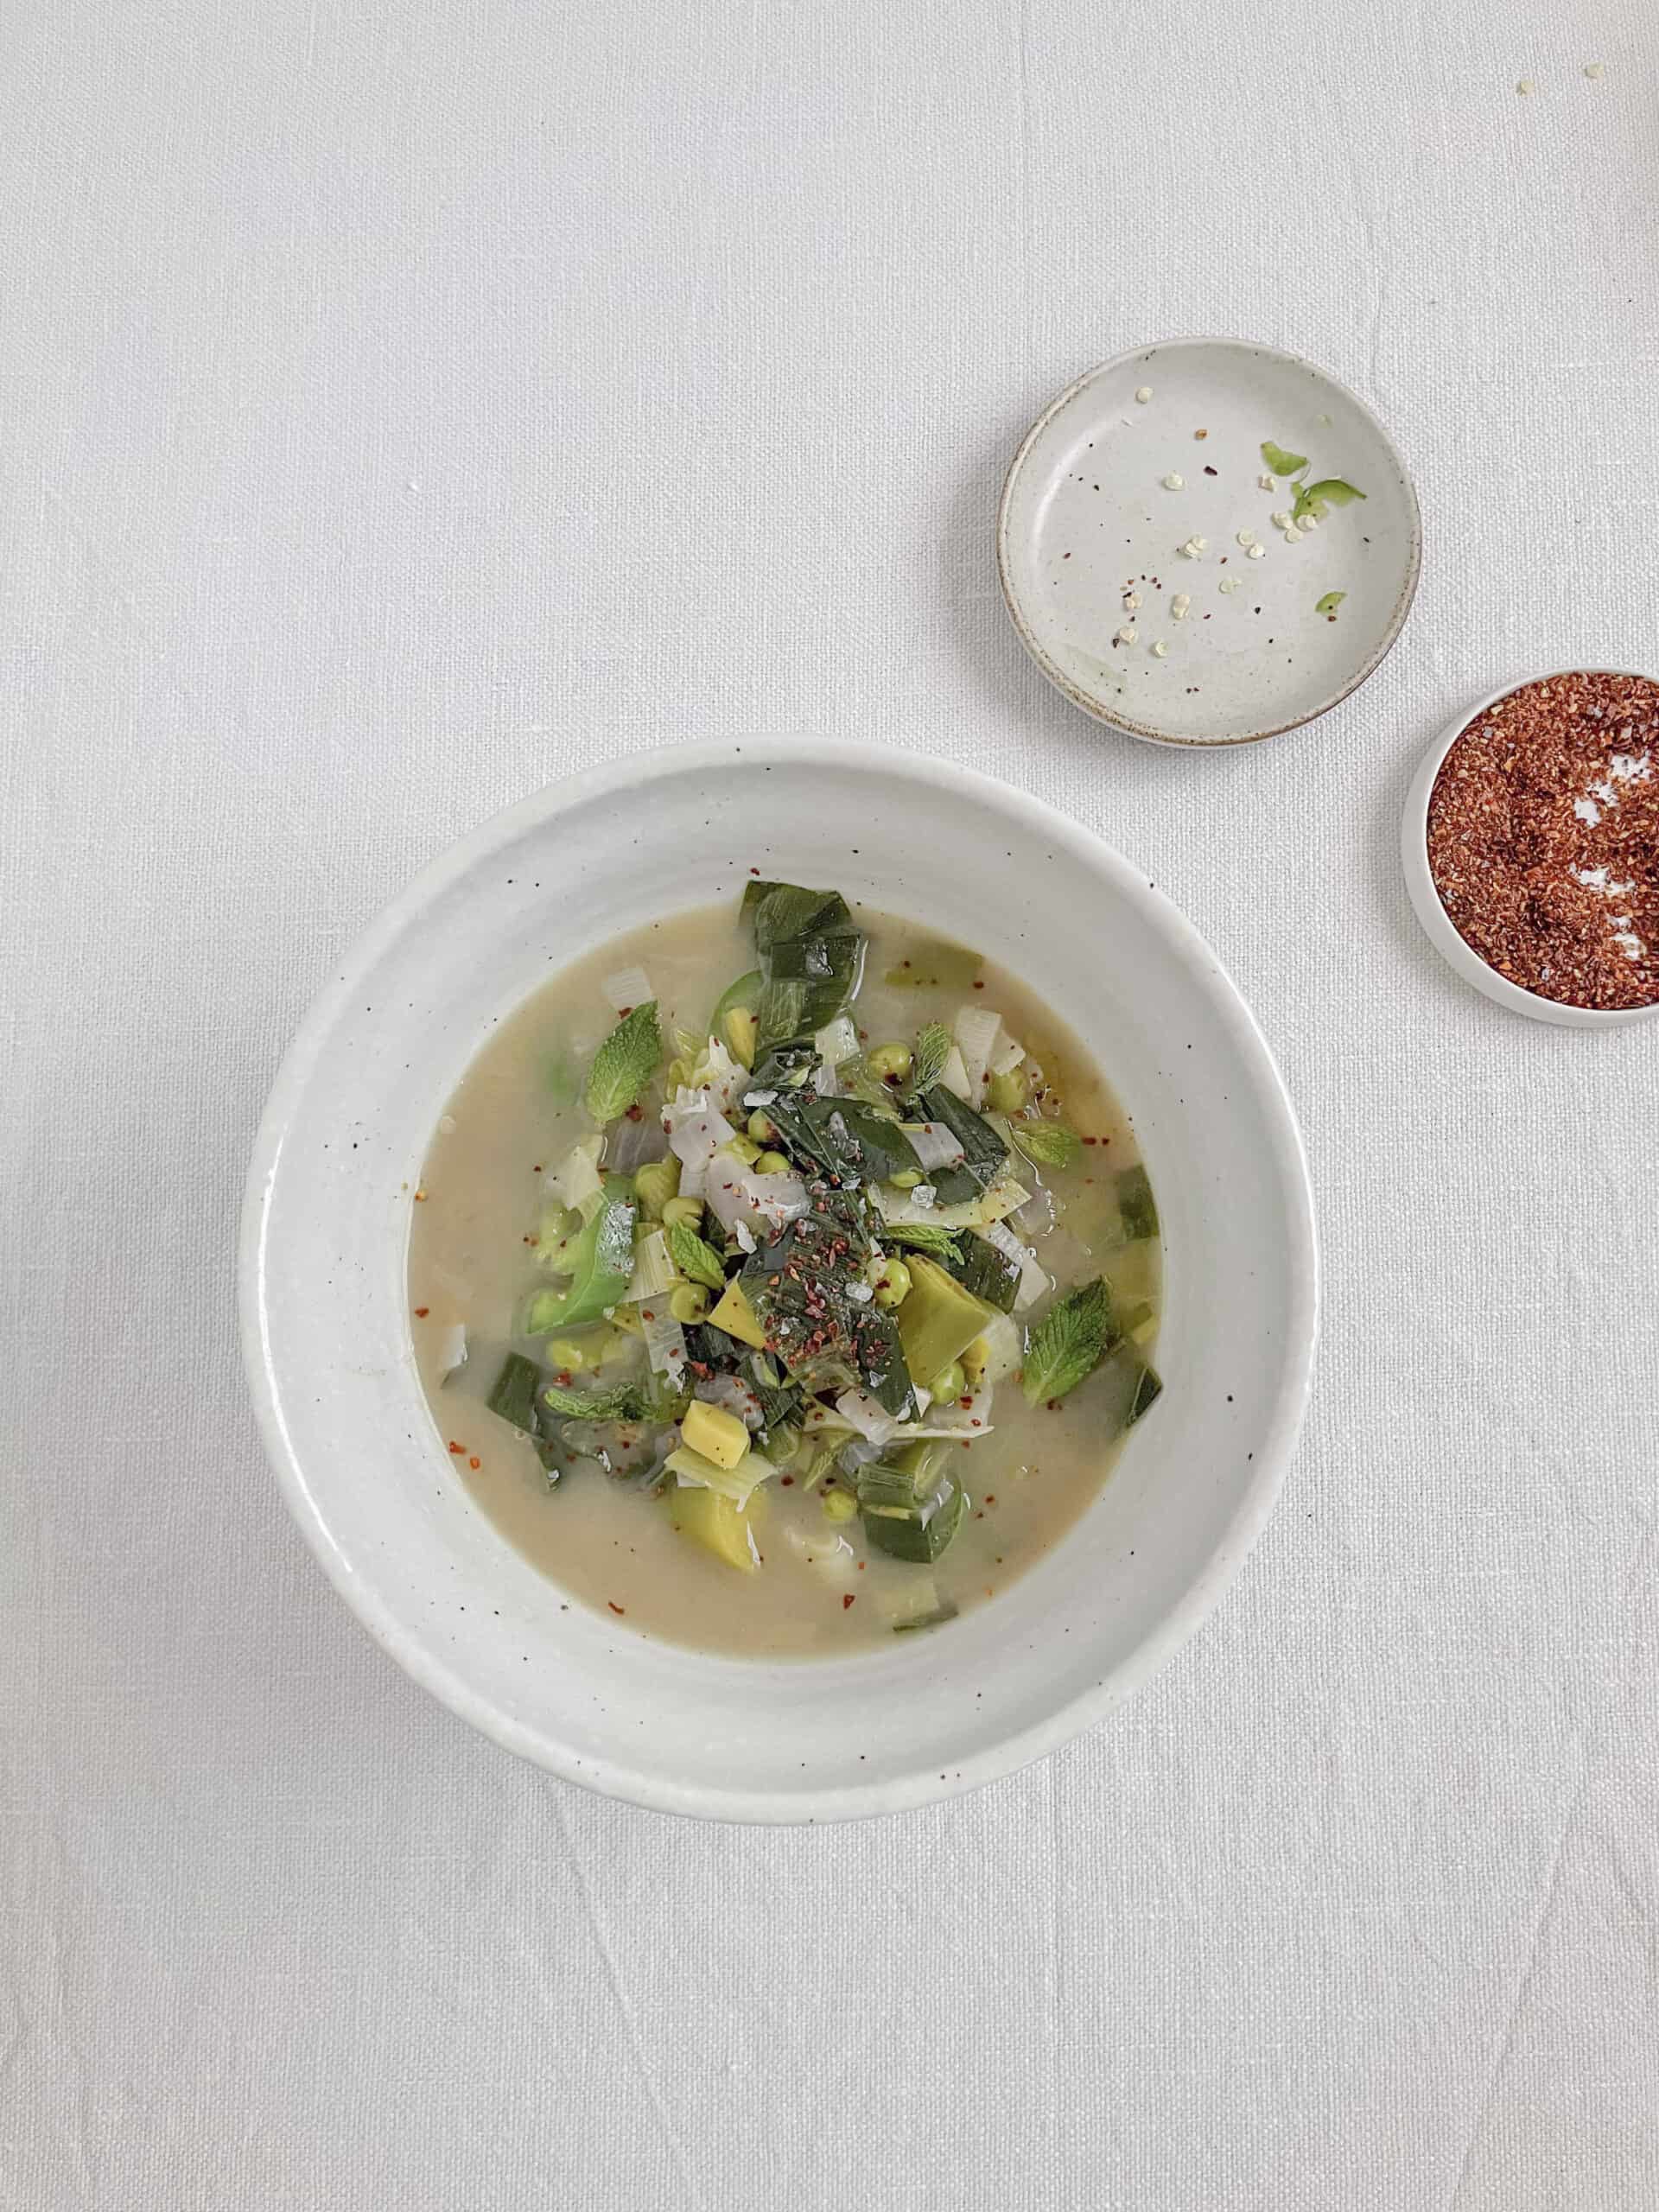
x: 1281, y: 463
x: 1329, y: 603
x: 1315, y: 501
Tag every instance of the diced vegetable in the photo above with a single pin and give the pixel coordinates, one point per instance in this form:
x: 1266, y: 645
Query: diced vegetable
x: 836, y: 1041
x: 719, y: 1524
x: 902, y: 1482
x: 719, y: 1435
x: 1136, y: 1202
x: 625, y: 1402
x: 694, y: 1470
x: 625, y: 1063
x: 922, y: 1536
x: 976, y: 1031
x: 654, y: 1271
x: 514, y: 1394
x: 983, y: 1151
x: 738, y: 1317
x: 1033, y: 1281
x: 601, y: 1262
x: 954, y: 1076
x: 900, y: 1211
x: 576, y: 1180
x: 665, y: 1341
x: 989, y: 1272
x: 938, y: 1321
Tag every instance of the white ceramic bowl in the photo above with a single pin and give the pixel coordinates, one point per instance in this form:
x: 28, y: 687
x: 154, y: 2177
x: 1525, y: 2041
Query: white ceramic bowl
x: 1437, y: 926
x: 326, y: 1322
x: 1088, y: 507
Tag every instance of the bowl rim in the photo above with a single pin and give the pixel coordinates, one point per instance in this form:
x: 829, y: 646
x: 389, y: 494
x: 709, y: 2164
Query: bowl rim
x: 401, y: 1641
x: 1438, y: 926
x: 1097, y: 709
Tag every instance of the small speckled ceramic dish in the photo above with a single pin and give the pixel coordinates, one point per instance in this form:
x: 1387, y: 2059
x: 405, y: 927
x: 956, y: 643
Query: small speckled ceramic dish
x: 1437, y: 926
x: 1142, y: 564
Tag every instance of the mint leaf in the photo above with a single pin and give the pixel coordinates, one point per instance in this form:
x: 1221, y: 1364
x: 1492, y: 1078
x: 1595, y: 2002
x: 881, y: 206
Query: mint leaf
x: 1068, y: 1342
x: 1329, y: 603
x: 933, y: 1045
x: 1281, y: 463
x: 697, y: 1262
x: 625, y: 1402
x: 937, y: 1244
x: 625, y: 1063
x: 1047, y: 1144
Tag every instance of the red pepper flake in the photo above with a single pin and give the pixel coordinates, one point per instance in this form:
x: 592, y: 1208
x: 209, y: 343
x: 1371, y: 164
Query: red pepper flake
x: 786, y: 1481
x: 1091, y: 1140
x: 419, y: 1196
x: 979, y: 987
x: 754, y: 871
x: 615, y: 1607
x: 847, y: 1598
x: 457, y: 1447
x: 645, y: 1314
x: 421, y: 1313
x: 1543, y: 838
x: 1200, y: 434
x: 536, y: 1169
x: 964, y: 1401
x: 474, y: 1464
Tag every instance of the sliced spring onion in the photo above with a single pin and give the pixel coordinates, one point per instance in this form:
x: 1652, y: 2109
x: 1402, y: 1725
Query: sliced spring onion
x: 664, y: 1342
x: 955, y: 1077
x: 577, y: 1178
x: 654, y: 1271
x: 977, y: 1028
x: 836, y: 1041
x: 1004, y: 1196
x: 629, y: 987
x: 739, y: 1482
x: 1034, y: 1282
x: 934, y: 1145
x: 1006, y: 1055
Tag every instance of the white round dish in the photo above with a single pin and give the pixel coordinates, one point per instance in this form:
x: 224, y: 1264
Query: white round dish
x: 325, y: 1315
x: 1088, y: 516
x: 1437, y: 926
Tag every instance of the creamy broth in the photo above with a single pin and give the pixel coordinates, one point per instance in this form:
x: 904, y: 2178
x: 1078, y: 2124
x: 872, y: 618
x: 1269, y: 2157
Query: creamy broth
x: 474, y: 1258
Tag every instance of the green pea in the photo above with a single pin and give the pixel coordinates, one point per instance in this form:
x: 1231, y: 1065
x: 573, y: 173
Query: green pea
x: 683, y: 1213
x: 772, y: 1163
x: 891, y: 1062
x: 688, y: 1302
x: 1009, y: 1092
x: 893, y: 1285
x: 761, y: 1127
x: 744, y: 1148
x: 945, y: 1389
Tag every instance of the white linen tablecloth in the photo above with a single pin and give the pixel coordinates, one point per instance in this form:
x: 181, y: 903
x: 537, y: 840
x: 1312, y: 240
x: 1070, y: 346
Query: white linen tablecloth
x: 402, y: 404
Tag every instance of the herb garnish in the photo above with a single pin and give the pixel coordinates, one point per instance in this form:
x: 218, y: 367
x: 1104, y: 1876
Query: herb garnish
x: 625, y: 1063
x: 1069, y: 1342
x: 1046, y: 1144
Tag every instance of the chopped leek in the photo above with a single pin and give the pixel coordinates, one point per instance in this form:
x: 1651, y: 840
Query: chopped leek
x: 1136, y: 1202
x: 601, y: 1264
x: 922, y: 1536
x: 514, y: 1394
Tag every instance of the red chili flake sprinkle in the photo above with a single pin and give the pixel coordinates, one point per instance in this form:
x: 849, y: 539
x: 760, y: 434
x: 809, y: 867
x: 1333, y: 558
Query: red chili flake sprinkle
x: 615, y: 1607
x: 979, y: 987
x: 990, y: 1497
x: 536, y: 1169
x: 786, y: 1481
x: 754, y: 871
x: 457, y: 1447
x: 847, y: 1599
x: 419, y: 1195
x: 1543, y: 838
x: 1091, y: 1140
x: 964, y: 1401
x: 646, y: 1314
x: 421, y: 1313
x: 474, y: 1463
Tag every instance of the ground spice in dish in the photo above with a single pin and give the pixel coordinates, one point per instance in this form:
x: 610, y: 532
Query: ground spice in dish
x: 1543, y: 838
